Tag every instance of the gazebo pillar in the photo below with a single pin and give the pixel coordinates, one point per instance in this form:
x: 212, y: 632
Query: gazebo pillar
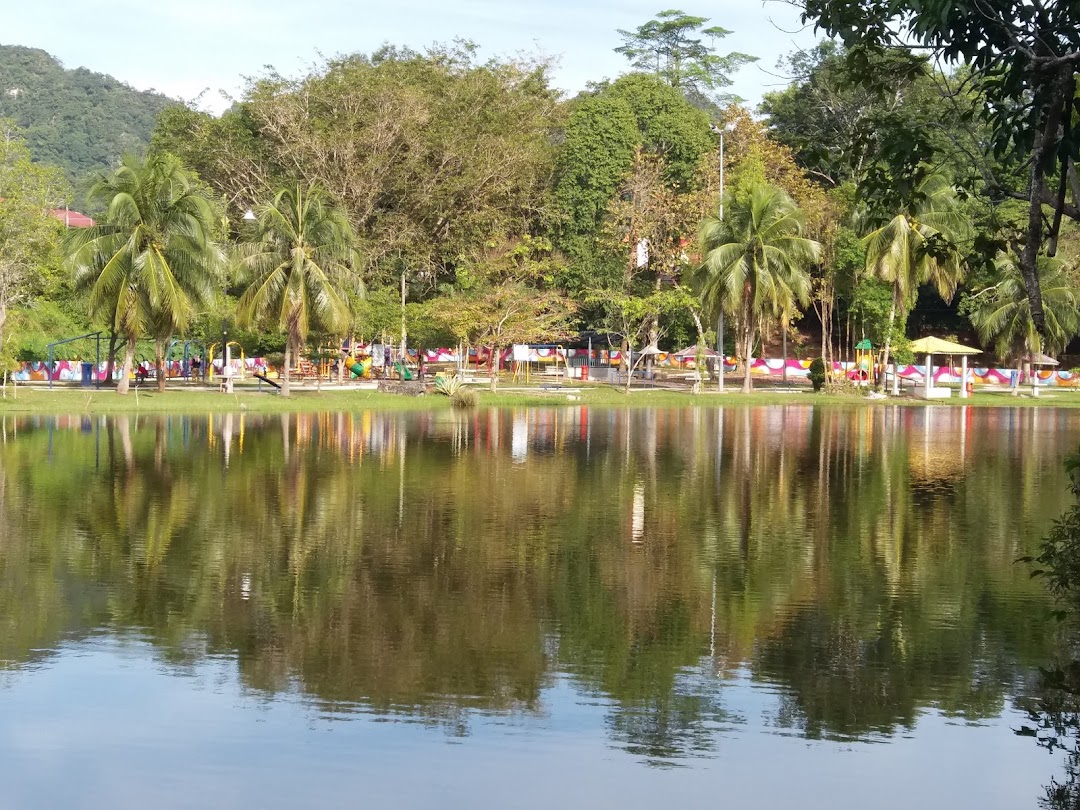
x: 963, y: 376
x: 928, y: 376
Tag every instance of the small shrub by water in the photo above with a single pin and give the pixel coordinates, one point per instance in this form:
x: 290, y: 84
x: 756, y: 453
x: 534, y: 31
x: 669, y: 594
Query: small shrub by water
x: 463, y: 398
x: 817, y: 374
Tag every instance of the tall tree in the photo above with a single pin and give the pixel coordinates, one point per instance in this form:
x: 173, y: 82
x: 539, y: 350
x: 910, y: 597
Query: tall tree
x: 428, y: 154
x: 152, y: 260
x: 28, y: 234
x: 755, y: 261
x: 299, y: 257
x: 633, y: 116
x: 920, y: 245
x: 672, y: 47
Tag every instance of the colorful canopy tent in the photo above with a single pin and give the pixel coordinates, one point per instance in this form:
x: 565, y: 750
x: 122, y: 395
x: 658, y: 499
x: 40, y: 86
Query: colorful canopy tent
x: 935, y: 345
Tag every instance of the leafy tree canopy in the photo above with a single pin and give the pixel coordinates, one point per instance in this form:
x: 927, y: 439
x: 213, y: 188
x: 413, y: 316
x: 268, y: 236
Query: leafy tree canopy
x: 672, y: 47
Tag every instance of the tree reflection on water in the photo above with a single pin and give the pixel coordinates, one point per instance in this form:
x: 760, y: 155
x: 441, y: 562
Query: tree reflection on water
x: 857, y: 563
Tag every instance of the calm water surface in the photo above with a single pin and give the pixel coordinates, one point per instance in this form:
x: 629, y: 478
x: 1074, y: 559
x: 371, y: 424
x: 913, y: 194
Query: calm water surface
x: 576, y: 608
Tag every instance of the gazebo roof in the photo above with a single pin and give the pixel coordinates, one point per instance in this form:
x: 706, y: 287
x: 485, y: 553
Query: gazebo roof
x: 935, y: 345
x: 692, y: 351
x: 1040, y: 359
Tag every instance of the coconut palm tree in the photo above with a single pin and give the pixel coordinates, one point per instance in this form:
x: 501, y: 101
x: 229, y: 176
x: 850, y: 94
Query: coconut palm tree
x: 1001, y: 313
x: 755, y: 261
x: 918, y: 246
x: 152, y: 261
x: 300, y: 255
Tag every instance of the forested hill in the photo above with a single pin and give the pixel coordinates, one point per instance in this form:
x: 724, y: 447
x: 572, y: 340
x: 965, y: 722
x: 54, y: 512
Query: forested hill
x: 76, y: 119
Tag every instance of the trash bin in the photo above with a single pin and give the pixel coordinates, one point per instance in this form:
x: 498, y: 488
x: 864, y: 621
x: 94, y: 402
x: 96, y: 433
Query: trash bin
x: 87, y: 375
x: 584, y: 372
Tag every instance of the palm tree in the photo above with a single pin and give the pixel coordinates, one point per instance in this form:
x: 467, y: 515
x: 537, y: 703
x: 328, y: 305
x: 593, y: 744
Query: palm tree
x: 755, y: 261
x: 1001, y: 314
x: 152, y: 262
x: 918, y: 246
x: 299, y: 257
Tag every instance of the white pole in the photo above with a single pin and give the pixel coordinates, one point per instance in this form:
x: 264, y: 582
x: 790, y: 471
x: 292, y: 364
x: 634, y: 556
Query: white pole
x: 929, y: 376
x: 721, y: 173
x: 963, y: 377
x: 720, y: 319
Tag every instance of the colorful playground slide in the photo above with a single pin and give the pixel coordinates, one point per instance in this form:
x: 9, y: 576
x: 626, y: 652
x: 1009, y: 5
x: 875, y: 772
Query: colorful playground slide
x: 358, y: 368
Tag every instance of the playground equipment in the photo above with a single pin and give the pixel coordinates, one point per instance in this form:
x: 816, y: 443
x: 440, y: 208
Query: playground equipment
x: 88, y: 370
x: 864, y: 362
x: 187, y: 357
x: 210, y: 358
x: 358, y: 368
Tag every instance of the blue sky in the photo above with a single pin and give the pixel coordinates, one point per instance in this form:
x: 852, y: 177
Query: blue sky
x: 182, y: 47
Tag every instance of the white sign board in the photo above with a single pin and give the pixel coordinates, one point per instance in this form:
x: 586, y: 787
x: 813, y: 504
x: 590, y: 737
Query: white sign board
x: 521, y: 353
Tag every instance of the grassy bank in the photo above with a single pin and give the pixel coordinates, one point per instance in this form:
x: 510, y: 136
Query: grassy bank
x: 32, y: 399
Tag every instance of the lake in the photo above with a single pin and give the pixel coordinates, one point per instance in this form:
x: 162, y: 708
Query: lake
x: 752, y: 607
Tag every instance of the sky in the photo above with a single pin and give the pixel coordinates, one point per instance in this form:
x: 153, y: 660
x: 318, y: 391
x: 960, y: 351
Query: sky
x: 192, y: 48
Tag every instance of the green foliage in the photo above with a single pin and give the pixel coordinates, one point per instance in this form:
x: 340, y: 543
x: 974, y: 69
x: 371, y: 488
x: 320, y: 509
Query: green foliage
x: 299, y: 257
x: 817, y: 373
x: 671, y: 47
x: 447, y: 385
x: 153, y: 262
x: 76, y: 119
x: 604, y: 132
x: 840, y: 129
x: 429, y: 156
x: 1021, y: 62
x: 755, y: 262
x: 1001, y: 313
x: 28, y: 235
x: 224, y: 151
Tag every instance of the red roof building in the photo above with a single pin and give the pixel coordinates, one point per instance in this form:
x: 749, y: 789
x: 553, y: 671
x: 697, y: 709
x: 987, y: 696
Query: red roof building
x: 72, y: 219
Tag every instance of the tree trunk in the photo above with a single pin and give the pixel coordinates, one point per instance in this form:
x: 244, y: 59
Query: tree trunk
x: 288, y: 368
x: 748, y: 337
x: 129, y: 363
x: 159, y: 365
x: 110, y: 364
x: 888, y: 345
x: 699, y: 359
x: 783, y: 337
x: 494, y: 367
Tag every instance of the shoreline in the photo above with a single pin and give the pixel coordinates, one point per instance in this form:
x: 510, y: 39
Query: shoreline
x: 31, y: 400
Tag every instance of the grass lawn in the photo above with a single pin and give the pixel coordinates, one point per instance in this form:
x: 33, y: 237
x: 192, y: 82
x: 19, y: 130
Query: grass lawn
x: 39, y: 399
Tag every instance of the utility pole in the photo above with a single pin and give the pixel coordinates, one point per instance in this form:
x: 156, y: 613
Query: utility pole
x: 720, y: 130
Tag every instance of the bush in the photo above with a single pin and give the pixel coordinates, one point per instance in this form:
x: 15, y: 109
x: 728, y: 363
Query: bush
x: 276, y: 360
x: 463, y: 398
x: 817, y: 373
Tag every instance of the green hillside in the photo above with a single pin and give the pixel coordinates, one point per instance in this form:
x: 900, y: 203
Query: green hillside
x: 76, y: 119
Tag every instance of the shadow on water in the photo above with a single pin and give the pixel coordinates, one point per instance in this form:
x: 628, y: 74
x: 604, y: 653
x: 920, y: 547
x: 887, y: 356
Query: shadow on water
x: 854, y: 569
